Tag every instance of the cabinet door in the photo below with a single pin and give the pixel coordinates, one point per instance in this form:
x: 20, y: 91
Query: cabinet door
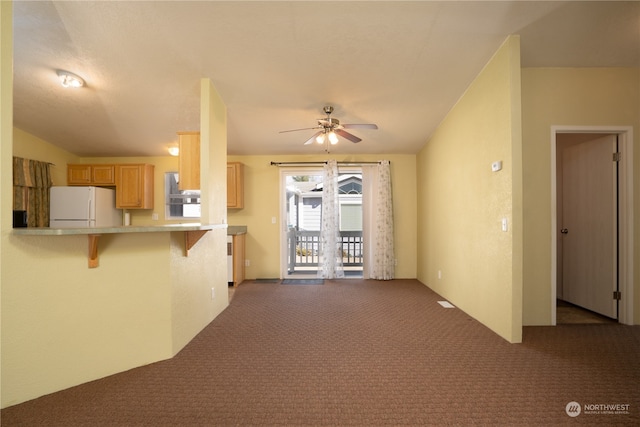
x: 238, y: 258
x: 189, y: 161
x: 134, y: 186
x: 78, y: 174
x: 235, y: 186
x: 103, y: 175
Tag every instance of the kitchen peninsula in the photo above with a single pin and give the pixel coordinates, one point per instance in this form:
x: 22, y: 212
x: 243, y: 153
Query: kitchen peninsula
x: 192, y: 233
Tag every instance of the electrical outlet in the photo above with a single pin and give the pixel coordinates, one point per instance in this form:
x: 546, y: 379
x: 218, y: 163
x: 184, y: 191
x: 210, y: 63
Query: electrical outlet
x: 154, y: 216
x: 213, y: 293
x: 247, y: 263
x: 439, y: 274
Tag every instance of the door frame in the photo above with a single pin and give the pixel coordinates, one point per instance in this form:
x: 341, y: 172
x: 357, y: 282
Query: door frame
x: 625, y: 215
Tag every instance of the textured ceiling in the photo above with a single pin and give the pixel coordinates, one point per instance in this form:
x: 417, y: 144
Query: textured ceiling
x: 401, y: 65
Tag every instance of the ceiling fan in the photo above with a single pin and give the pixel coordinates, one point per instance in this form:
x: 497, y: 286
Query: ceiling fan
x: 330, y: 128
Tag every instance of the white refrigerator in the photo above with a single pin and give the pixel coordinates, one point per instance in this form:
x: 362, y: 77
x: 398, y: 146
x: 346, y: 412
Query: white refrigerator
x: 79, y: 207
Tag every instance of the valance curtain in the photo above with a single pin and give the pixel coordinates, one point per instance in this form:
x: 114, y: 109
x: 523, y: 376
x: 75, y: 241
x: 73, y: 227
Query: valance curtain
x: 330, y: 242
x: 379, y: 262
x: 31, y: 184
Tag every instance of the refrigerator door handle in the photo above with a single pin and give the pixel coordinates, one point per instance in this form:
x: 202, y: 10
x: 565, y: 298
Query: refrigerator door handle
x: 90, y: 215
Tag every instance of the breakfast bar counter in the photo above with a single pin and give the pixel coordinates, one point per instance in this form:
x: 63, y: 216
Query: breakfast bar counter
x: 192, y: 233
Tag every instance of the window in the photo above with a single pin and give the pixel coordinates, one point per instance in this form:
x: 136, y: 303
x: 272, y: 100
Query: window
x: 351, y: 216
x: 180, y: 204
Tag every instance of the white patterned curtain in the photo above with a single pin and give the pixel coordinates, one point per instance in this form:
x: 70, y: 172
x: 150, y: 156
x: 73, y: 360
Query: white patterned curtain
x: 330, y: 243
x: 379, y: 262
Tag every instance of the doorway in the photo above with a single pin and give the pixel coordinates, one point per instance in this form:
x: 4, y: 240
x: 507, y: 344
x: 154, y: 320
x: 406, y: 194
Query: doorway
x: 301, y: 213
x: 588, y: 220
x: 591, y: 239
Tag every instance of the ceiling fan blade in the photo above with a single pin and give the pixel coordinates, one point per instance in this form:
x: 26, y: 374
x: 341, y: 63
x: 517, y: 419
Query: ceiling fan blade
x: 295, y: 130
x: 347, y: 135
x: 313, y: 138
x: 360, y: 126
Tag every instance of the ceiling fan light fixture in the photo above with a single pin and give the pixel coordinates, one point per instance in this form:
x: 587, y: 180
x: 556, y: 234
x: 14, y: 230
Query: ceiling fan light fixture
x: 327, y: 130
x: 333, y: 138
x: 68, y: 79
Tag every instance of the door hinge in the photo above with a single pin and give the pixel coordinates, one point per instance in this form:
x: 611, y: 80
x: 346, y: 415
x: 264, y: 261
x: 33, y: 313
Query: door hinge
x: 617, y: 156
x: 617, y: 295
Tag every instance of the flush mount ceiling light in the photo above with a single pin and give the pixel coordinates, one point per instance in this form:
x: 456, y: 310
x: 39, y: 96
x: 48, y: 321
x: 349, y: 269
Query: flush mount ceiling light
x: 174, y: 151
x: 68, y: 79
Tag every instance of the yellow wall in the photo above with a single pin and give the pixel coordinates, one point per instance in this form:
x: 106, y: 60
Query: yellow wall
x: 461, y: 202
x: 64, y: 324
x: 561, y: 97
x: 34, y: 148
x: 213, y: 155
x: 262, y: 186
x: 6, y: 135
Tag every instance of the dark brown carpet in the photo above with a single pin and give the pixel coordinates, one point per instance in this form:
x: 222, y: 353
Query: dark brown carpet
x: 362, y: 353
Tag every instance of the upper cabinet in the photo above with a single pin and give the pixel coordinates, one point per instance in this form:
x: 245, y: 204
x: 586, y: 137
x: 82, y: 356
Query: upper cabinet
x: 189, y: 161
x: 100, y: 175
x: 189, y: 170
x: 235, y: 185
x: 134, y: 186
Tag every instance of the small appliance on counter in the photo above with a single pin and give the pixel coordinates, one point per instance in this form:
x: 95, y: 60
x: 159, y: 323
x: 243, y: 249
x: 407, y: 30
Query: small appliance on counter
x: 79, y: 207
x: 19, y: 219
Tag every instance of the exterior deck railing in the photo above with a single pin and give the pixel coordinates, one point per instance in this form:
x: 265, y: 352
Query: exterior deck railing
x: 304, y: 249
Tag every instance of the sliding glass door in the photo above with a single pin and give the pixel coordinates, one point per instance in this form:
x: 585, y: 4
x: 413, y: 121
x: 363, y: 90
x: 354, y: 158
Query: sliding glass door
x: 301, y: 212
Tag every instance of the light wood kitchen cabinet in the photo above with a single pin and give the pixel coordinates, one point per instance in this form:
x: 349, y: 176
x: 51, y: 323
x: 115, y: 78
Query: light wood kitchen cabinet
x: 189, y: 160
x: 235, y: 185
x: 98, y: 175
x: 238, y: 258
x: 134, y: 186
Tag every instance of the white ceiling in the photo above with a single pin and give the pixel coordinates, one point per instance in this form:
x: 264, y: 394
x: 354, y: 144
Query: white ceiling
x: 401, y: 65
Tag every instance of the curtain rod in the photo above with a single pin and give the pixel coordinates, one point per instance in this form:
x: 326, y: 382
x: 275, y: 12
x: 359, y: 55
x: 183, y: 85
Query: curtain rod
x: 323, y: 163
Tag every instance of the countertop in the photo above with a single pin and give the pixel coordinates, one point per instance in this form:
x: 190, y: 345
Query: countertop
x: 47, y: 231
x: 236, y: 229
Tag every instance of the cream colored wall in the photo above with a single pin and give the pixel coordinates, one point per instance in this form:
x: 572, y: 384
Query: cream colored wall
x: 64, y: 324
x: 195, y: 304
x: 6, y: 136
x: 213, y: 155
x: 31, y: 147
x: 143, y: 303
x: 262, y: 193
x: 561, y: 97
x: 461, y: 202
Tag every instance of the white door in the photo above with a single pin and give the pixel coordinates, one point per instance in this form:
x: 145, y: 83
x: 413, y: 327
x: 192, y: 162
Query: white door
x: 588, y: 226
